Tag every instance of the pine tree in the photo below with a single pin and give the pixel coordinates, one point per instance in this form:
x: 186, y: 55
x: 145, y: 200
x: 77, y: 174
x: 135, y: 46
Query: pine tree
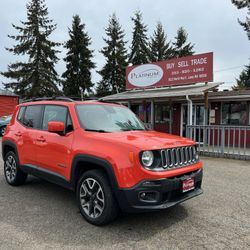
x: 36, y: 76
x: 115, y: 53
x: 77, y: 77
x: 240, y: 4
x: 243, y: 81
x: 139, y: 49
x: 181, y: 47
x: 160, y: 49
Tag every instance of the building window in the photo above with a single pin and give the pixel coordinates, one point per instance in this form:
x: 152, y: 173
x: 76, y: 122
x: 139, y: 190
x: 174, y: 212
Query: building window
x: 162, y: 113
x: 234, y: 113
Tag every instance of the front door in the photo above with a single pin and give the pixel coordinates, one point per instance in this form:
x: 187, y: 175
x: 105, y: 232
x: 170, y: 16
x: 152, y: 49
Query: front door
x: 54, y: 149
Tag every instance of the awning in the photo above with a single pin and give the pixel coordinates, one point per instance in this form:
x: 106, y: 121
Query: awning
x: 164, y: 92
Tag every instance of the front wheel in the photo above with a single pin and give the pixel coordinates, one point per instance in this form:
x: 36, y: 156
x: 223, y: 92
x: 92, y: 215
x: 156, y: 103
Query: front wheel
x: 13, y: 174
x: 95, y: 198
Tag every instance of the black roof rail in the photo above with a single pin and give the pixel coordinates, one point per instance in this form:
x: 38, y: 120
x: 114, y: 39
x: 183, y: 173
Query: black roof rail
x: 100, y: 100
x: 91, y: 99
x: 67, y: 99
x: 54, y: 98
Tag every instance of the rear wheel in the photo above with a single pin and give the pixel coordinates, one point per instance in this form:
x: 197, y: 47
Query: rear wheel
x: 13, y: 174
x: 95, y: 198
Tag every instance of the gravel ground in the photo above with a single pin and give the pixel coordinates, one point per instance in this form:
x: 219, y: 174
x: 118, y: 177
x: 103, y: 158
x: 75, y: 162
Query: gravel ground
x: 40, y: 215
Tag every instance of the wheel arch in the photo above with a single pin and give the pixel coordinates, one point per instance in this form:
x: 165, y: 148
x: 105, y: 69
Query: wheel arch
x: 9, y: 146
x: 83, y: 163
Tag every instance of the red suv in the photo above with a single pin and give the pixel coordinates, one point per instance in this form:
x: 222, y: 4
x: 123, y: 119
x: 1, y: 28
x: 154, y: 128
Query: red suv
x: 103, y: 153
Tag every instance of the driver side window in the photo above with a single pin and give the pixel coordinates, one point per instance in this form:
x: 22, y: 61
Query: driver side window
x: 54, y: 113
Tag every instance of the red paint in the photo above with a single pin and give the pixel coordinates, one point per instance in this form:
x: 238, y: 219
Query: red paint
x: 188, y: 185
x: 47, y: 150
x: 217, y: 107
x: 8, y: 104
x: 232, y: 139
x: 55, y: 127
x: 178, y: 71
x: 165, y: 127
x: 176, y: 119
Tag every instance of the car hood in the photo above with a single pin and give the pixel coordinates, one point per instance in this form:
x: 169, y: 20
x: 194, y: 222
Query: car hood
x: 145, y: 139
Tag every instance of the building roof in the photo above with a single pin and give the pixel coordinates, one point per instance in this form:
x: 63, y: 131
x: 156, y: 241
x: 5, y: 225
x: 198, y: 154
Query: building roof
x: 5, y: 92
x: 164, y: 92
x: 232, y: 94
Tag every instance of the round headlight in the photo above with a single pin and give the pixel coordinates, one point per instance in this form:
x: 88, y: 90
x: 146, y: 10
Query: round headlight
x: 147, y: 158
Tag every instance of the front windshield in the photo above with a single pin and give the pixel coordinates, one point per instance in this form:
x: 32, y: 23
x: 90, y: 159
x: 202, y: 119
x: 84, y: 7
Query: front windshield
x: 107, y: 118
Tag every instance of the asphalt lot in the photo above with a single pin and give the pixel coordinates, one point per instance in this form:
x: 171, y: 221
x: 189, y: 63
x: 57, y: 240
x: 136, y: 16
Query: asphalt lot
x: 40, y: 215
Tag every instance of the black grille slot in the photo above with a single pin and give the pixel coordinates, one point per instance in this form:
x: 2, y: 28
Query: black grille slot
x: 178, y: 157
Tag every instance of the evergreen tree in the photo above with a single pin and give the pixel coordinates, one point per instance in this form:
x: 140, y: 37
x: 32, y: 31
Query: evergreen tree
x: 244, y: 4
x: 160, y: 49
x: 181, y: 47
x: 139, y: 49
x: 115, y: 53
x: 77, y: 77
x: 37, y: 76
x: 244, y: 79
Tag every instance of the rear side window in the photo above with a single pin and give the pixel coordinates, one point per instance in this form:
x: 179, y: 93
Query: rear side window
x: 54, y: 113
x: 32, y: 116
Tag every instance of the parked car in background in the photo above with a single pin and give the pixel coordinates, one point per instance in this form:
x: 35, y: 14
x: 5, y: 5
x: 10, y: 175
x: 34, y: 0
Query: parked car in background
x: 4, y: 121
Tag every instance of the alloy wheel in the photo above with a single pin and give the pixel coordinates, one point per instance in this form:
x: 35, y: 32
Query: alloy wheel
x: 10, y: 168
x: 92, y: 198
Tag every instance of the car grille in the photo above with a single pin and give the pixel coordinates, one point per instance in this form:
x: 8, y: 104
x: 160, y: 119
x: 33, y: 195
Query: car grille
x: 178, y: 157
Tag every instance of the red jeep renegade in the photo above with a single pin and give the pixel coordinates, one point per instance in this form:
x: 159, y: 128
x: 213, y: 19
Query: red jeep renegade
x: 104, y: 153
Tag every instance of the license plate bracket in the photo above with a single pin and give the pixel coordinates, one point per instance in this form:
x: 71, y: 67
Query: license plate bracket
x: 187, y: 185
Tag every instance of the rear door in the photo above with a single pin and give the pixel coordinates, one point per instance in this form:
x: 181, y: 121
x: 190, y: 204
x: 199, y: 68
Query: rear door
x: 54, y: 149
x: 31, y: 121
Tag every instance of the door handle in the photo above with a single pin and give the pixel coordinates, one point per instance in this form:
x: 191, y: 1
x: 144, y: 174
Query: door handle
x: 41, y: 139
x: 18, y: 134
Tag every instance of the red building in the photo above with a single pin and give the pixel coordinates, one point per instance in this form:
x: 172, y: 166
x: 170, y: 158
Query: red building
x: 8, y: 102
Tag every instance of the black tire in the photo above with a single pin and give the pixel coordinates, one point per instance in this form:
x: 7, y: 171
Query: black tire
x: 91, y: 202
x: 2, y: 131
x: 13, y: 174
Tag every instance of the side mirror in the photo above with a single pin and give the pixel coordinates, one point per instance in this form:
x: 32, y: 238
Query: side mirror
x: 56, y: 127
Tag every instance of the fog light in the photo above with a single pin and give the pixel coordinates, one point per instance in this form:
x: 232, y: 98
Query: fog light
x: 149, y: 196
x: 142, y: 195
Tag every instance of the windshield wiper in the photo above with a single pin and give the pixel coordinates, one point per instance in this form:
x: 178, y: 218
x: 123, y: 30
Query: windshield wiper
x: 132, y: 129
x: 96, y: 130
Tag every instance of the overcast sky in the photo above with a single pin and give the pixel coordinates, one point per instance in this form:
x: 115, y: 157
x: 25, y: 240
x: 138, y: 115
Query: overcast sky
x: 211, y: 24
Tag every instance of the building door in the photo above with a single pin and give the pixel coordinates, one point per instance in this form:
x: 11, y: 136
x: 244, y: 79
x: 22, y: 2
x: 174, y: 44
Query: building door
x: 198, y: 118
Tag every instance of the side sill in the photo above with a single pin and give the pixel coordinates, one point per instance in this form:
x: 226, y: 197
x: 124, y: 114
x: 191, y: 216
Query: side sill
x: 47, y: 175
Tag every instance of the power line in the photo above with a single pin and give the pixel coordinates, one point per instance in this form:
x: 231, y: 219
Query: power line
x: 227, y: 69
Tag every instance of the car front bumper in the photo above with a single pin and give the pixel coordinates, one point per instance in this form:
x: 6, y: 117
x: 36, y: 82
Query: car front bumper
x: 158, y: 194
